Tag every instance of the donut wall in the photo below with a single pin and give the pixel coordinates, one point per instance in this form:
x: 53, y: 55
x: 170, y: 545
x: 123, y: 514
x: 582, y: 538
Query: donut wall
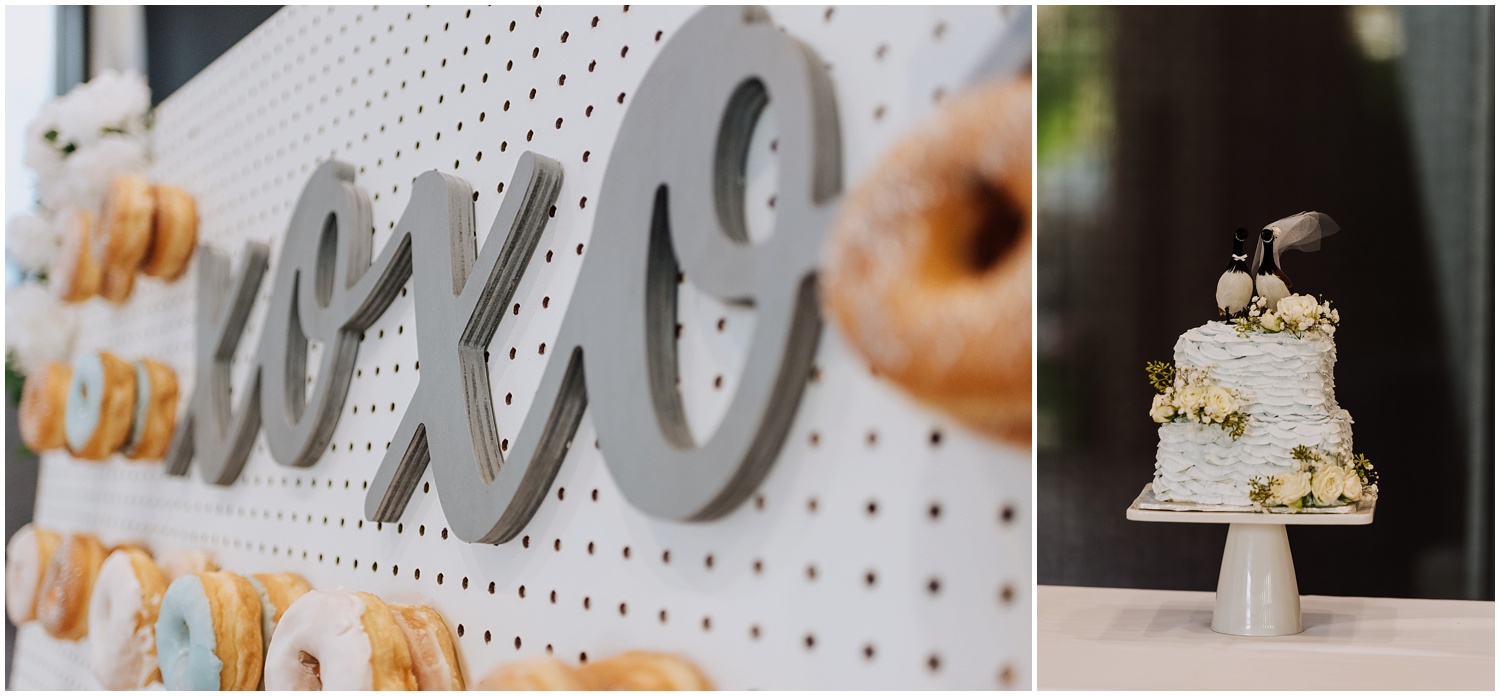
x: 845, y: 537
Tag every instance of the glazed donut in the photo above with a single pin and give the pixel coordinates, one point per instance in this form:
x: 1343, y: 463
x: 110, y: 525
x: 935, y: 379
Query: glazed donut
x: 532, y: 674
x: 180, y: 562
x: 174, y: 233
x: 27, y: 556
x: 277, y: 592
x: 208, y: 634
x: 101, y: 405
x: 927, y: 271
x: 434, y: 657
x: 67, y: 586
x: 339, y: 641
x: 155, y: 413
x: 122, y: 620
x: 44, y: 400
x: 116, y: 284
x: 124, y: 234
x: 76, y: 273
x: 631, y: 671
x: 642, y: 671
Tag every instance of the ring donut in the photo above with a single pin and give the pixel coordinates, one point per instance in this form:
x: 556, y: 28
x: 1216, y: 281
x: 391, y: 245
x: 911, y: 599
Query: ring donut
x: 27, y: 556
x: 532, y: 674
x: 76, y: 274
x: 277, y: 592
x: 434, y: 657
x: 63, y: 608
x: 630, y: 671
x: 101, y: 405
x: 208, y: 634
x: 124, y: 234
x: 44, y: 401
x: 179, y: 562
x: 174, y: 233
x: 339, y: 641
x: 155, y: 414
x: 122, y: 620
x: 928, y: 267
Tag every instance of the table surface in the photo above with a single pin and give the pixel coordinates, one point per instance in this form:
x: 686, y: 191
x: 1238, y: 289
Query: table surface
x: 1107, y: 638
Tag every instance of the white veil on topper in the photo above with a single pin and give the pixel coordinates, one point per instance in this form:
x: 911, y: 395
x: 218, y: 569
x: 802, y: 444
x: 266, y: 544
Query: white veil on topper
x: 1301, y: 232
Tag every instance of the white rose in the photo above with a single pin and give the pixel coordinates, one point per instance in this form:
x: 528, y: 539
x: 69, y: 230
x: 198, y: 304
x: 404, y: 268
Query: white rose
x: 1289, y: 487
x: 1161, y: 408
x: 38, y: 327
x: 1328, y: 483
x: 1190, y: 398
x: 1271, y: 322
x: 1219, y: 403
x: 32, y: 241
x: 1353, y: 487
x: 1298, y: 307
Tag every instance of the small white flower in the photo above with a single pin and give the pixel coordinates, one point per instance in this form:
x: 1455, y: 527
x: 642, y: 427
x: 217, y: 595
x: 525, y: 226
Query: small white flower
x: 39, y: 328
x: 1289, y: 487
x: 32, y: 241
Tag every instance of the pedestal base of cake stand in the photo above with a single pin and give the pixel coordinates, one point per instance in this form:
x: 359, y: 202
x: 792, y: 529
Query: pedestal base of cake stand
x: 1257, y: 594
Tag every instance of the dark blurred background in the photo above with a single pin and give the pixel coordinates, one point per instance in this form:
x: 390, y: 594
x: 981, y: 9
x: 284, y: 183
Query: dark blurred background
x: 1161, y: 130
x: 169, y: 45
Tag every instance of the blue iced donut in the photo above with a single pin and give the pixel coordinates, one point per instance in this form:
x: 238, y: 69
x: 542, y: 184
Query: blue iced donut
x: 155, y: 415
x: 194, y: 651
x: 101, y: 405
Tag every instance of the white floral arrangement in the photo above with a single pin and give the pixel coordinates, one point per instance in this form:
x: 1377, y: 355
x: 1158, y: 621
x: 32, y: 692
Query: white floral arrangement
x: 1190, y: 396
x: 74, y: 147
x: 1298, y: 315
x: 1321, y: 480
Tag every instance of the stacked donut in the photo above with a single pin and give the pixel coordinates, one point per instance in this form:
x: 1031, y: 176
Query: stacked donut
x: 354, y: 641
x: 78, y: 587
x: 141, y: 228
x: 100, y: 405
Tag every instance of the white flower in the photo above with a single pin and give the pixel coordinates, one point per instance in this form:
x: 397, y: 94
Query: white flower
x: 1333, y: 315
x: 1298, y: 307
x: 1271, y: 322
x: 39, y: 154
x: 1161, y: 408
x: 1289, y: 487
x: 1353, y: 486
x: 87, y: 173
x: 1190, y: 398
x: 110, y: 101
x: 1328, y: 483
x: 38, y: 327
x: 1218, y: 403
x: 32, y: 241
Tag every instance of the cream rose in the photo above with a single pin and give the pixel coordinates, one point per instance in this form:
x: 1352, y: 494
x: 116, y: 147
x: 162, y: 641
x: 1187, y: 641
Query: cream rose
x: 1219, y: 403
x: 1300, y: 311
x: 1271, y: 322
x: 1328, y: 483
x: 1161, y: 408
x: 1289, y: 487
x: 1354, y: 488
x: 1190, y: 397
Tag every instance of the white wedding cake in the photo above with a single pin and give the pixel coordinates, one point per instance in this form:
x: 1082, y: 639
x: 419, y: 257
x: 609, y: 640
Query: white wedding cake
x: 1283, y: 387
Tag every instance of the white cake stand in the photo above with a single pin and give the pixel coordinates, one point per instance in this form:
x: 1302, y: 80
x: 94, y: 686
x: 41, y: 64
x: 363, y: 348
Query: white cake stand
x: 1257, y: 593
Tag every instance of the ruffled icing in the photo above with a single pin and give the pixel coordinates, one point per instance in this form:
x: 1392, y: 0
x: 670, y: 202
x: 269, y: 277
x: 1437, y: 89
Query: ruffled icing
x: 1285, y: 385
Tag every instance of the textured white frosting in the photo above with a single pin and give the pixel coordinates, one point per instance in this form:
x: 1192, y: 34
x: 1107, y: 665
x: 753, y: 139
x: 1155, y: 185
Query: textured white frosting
x: 1285, y: 385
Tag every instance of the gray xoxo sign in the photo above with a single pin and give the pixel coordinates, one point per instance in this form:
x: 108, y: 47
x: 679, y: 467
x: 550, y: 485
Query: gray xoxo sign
x: 671, y: 202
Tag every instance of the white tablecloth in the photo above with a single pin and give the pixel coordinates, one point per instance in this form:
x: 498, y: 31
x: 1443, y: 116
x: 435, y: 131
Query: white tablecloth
x: 1103, y: 638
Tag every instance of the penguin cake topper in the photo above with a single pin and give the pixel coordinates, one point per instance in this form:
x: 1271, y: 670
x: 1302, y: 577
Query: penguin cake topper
x: 1258, y: 274
x: 1236, y: 285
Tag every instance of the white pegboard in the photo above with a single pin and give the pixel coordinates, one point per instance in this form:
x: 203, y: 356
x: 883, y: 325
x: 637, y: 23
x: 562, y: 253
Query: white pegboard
x: 888, y: 547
